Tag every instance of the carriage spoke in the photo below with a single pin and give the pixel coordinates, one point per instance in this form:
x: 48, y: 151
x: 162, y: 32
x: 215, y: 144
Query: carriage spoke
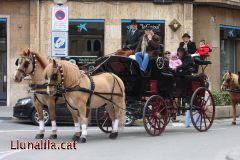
x: 205, y: 122
x: 201, y: 121
x: 207, y: 117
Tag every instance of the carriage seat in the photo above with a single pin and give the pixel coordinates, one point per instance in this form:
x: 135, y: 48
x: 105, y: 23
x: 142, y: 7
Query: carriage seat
x: 202, y: 62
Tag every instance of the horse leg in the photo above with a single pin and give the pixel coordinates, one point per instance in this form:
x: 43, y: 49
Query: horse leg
x: 39, y: 109
x: 83, y: 120
x: 115, y: 120
x: 77, y: 126
x: 234, y: 114
x: 52, y: 112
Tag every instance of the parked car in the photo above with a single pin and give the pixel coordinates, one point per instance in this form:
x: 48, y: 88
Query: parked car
x: 24, y: 109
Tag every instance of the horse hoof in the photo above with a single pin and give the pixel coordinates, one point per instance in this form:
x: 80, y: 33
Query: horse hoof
x: 113, y: 135
x: 75, y: 138
x: 39, y: 136
x: 234, y: 123
x: 83, y: 140
x: 53, y: 136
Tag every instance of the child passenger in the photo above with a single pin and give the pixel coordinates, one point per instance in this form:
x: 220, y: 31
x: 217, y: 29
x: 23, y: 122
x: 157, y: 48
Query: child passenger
x: 174, y: 61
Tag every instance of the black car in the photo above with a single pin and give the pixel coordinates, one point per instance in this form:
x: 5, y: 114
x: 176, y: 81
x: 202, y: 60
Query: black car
x: 24, y: 109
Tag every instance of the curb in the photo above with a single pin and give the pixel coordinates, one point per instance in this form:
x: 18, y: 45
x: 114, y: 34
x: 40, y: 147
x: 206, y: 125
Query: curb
x: 6, y: 118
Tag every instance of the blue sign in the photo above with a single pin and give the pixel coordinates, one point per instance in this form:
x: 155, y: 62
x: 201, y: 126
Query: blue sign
x: 59, y: 44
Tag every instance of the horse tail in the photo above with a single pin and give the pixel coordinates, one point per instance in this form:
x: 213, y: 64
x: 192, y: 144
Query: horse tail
x: 122, y: 103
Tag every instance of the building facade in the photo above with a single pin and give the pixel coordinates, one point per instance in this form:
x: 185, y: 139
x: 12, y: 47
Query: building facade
x: 98, y: 28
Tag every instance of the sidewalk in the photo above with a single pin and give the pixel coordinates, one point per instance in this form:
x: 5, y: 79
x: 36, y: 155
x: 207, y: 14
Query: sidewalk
x: 6, y: 113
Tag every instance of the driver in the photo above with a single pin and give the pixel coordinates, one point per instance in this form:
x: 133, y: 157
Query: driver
x: 133, y: 36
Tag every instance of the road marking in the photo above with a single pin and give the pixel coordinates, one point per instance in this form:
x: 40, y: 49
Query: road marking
x: 215, y: 129
x: 8, y: 153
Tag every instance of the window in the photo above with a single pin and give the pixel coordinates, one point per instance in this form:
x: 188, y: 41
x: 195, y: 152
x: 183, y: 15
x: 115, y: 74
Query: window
x: 157, y: 25
x: 229, y: 49
x: 86, y: 37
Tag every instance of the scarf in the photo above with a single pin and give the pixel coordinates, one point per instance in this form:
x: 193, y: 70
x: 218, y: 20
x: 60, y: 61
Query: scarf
x: 144, y: 44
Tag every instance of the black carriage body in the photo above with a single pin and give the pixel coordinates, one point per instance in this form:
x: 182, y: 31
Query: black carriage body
x: 138, y: 85
x: 158, y: 96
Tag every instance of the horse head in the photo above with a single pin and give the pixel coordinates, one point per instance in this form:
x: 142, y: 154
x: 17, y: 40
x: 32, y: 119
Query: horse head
x: 54, y: 77
x: 25, y: 64
x: 228, y: 81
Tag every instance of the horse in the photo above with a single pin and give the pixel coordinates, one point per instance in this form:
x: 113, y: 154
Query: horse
x: 124, y: 52
x: 231, y: 82
x: 33, y: 64
x: 82, y: 91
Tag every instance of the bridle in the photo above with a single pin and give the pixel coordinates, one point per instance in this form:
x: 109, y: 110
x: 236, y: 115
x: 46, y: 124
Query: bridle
x: 54, y: 77
x: 226, y: 82
x: 26, y: 65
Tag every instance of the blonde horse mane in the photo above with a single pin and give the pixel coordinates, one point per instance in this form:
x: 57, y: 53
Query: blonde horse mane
x: 71, y: 73
x: 43, y: 61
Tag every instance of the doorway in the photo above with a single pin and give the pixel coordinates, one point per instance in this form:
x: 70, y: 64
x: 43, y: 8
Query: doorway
x: 3, y: 61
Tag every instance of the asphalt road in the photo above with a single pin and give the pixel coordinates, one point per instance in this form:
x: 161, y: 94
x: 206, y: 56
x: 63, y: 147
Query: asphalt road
x: 221, y: 142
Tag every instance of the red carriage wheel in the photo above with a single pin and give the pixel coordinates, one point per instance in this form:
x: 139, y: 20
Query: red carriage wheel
x: 202, y: 109
x: 103, y: 119
x: 155, y: 115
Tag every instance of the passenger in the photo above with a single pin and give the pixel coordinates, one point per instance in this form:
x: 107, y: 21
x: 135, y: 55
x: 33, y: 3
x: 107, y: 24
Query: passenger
x: 148, y: 48
x: 189, y: 46
x: 167, y: 55
x: 133, y: 36
x: 187, y: 62
x: 203, y: 50
x: 174, y: 61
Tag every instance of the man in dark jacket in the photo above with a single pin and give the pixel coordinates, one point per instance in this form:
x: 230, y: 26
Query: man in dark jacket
x: 188, y: 45
x: 133, y: 36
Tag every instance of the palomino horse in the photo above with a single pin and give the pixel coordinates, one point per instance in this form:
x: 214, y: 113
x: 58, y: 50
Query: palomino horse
x: 82, y: 91
x: 33, y: 64
x: 230, y: 81
x: 124, y: 52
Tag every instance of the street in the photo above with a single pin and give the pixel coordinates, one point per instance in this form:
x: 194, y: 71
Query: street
x: 219, y: 143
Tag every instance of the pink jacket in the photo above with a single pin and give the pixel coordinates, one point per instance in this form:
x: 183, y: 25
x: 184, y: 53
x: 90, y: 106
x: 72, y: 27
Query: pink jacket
x: 174, y: 61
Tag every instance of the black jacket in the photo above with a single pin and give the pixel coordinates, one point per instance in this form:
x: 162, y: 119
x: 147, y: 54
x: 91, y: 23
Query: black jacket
x: 191, y: 47
x: 187, y: 64
x: 132, y: 39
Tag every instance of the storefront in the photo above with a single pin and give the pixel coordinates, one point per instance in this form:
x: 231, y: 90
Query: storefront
x: 230, y: 49
x: 3, y: 61
x: 95, y: 29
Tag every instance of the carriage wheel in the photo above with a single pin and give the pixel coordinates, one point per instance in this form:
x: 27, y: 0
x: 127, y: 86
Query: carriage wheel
x: 202, y: 109
x: 155, y: 115
x: 103, y: 119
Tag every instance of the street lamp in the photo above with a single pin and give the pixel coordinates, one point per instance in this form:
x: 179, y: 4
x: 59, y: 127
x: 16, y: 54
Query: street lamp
x: 60, y: 2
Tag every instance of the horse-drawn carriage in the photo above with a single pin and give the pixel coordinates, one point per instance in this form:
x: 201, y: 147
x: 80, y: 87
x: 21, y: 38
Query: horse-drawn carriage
x: 158, y: 96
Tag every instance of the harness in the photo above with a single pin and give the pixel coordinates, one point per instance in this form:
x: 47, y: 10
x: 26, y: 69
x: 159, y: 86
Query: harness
x: 90, y: 91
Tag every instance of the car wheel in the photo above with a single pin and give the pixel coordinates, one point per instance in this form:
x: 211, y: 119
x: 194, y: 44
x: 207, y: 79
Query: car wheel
x: 129, y: 120
x: 46, y: 117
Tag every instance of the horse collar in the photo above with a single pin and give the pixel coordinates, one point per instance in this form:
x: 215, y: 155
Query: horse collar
x: 62, y: 76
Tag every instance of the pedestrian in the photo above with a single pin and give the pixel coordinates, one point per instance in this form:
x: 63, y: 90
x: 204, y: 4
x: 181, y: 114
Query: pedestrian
x: 187, y: 44
x: 148, y: 48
